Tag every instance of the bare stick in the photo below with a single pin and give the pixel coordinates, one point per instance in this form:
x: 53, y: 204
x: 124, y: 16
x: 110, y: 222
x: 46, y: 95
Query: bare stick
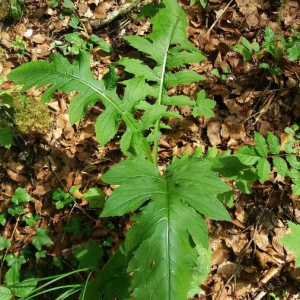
x: 217, y: 19
x: 125, y: 8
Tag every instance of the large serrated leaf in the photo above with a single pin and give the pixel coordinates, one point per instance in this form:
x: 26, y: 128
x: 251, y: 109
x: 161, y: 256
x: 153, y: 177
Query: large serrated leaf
x: 163, y: 259
x: 63, y: 76
x: 169, y: 47
x: 291, y: 241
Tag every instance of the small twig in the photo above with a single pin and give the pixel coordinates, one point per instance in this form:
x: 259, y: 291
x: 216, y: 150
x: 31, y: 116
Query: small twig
x: 217, y: 19
x: 260, y: 295
x: 123, y: 9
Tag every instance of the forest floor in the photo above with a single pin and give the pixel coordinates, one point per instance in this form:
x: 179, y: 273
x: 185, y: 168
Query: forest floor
x: 248, y: 262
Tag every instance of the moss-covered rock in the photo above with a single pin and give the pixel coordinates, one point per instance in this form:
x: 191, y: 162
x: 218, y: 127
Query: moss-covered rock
x: 4, y: 9
x: 29, y: 119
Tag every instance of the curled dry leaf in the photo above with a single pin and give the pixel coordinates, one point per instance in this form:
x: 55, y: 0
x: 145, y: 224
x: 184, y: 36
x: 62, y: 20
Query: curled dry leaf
x: 16, y: 176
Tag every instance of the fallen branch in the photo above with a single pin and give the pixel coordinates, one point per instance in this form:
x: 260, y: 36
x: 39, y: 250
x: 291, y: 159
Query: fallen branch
x: 124, y: 8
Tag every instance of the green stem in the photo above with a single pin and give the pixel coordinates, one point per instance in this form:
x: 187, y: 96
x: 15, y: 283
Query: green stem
x: 72, y: 286
x: 159, y: 102
x: 56, y: 278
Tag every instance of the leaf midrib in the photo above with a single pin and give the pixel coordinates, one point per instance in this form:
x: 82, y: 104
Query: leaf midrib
x: 125, y: 117
x: 161, y: 87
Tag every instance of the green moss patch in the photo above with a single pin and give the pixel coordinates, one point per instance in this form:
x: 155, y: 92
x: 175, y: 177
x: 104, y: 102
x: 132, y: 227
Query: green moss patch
x: 29, y: 119
x: 4, y: 9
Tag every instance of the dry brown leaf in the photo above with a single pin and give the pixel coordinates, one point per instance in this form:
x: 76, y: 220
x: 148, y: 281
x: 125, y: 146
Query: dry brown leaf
x: 219, y: 256
x: 228, y: 268
x: 213, y: 133
x: 16, y: 176
x: 100, y: 12
x: 261, y: 239
x: 41, y: 190
x: 237, y: 243
x: 241, y: 287
x: 39, y: 38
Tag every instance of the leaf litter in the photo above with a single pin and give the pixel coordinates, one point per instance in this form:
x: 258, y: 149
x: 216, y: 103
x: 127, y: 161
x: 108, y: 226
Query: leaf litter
x: 248, y: 262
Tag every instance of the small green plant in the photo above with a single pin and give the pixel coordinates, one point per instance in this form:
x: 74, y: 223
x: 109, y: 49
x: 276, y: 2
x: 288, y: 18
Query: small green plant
x: 223, y: 74
x: 63, y: 199
x: 271, y: 70
x: 274, y: 44
x: 16, y: 9
x: 19, y: 45
x: 202, y: 2
x: 94, y: 196
x: 74, y: 44
x: 266, y: 151
x: 69, y: 10
x: 20, y: 196
x: 292, y: 46
x: 247, y: 49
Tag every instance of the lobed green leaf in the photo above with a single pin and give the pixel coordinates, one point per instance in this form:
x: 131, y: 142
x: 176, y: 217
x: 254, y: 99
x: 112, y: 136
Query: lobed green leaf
x: 163, y: 259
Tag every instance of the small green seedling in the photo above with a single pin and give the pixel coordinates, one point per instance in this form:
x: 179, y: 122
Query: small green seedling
x: 63, y: 199
x: 69, y: 10
x: 223, y: 74
x: 74, y: 44
x: 266, y: 151
x: 19, y: 45
x: 272, y: 70
x: 247, y: 49
x: 16, y: 9
x: 202, y: 2
x: 20, y: 196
